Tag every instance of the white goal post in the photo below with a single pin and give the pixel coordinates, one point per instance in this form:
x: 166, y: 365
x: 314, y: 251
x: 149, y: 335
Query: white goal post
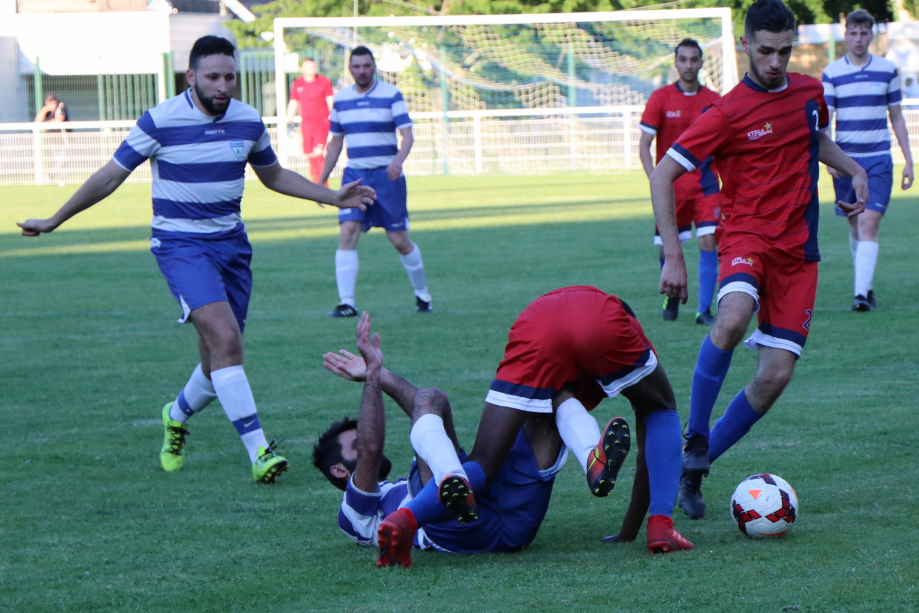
x: 471, y: 80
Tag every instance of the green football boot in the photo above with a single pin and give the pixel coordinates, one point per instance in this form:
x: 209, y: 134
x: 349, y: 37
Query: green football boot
x: 173, y: 442
x: 268, y: 466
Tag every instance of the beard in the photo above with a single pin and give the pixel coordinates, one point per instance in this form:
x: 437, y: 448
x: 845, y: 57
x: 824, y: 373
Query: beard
x: 385, y: 467
x: 766, y: 81
x: 210, y: 104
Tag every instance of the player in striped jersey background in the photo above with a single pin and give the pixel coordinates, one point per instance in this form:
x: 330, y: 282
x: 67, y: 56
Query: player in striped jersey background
x: 199, y: 144
x: 863, y: 89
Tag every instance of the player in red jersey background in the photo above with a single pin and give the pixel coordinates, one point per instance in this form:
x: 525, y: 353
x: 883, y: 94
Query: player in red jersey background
x: 767, y: 135
x: 311, y: 97
x: 669, y: 111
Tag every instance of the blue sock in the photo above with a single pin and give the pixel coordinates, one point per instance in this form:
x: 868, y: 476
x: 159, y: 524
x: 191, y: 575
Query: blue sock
x: 711, y: 368
x: 708, y: 278
x: 660, y: 256
x: 663, y: 456
x: 732, y: 426
x: 426, y: 506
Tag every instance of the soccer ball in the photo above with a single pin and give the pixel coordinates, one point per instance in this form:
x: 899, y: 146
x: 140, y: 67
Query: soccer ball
x: 764, y: 506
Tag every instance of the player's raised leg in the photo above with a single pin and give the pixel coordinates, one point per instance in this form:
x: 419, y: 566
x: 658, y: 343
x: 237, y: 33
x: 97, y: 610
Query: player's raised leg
x: 346, y: 263
x: 218, y: 329
x: 434, y: 440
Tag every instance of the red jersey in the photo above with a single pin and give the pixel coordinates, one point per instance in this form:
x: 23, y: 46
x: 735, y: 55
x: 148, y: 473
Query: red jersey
x: 312, y: 98
x: 667, y: 114
x: 765, y: 144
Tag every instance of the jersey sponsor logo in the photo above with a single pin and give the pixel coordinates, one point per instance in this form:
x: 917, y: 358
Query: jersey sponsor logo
x: 237, y: 147
x: 217, y: 131
x: 299, y: 89
x: 765, y: 131
x: 747, y: 261
x: 673, y: 114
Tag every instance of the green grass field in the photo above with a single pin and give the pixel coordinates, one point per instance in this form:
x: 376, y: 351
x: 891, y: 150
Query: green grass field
x: 90, y: 352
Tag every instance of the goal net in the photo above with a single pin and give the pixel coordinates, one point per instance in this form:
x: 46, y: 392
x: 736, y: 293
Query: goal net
x: 513, y: 93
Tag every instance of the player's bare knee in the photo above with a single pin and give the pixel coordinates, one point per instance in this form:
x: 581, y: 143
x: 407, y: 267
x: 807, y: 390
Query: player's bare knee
x: 707, y: 243
x: 566, y: 393
x: 729, y: 329
x: 401, y: 242
x: 773, y: 381
x: 430, y: 400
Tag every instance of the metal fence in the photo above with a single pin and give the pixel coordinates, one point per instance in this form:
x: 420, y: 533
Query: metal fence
x: 593, y: 139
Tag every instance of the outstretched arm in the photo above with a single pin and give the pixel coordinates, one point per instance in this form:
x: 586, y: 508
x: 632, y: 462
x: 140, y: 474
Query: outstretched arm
x: 287, y: 182
x: 352, y: 368
x: 371, y: 422
x: 673, y: 276
x: 98, y: 187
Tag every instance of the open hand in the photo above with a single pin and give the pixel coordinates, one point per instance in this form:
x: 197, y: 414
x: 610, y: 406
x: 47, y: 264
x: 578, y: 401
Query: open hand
x: 354, y: 196
x: 369, y: 346
x: 34, y: 227
x: 346, y: 365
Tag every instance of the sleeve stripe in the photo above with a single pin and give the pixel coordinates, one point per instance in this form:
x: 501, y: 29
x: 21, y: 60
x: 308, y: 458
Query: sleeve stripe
x: 684, y: 157
x: 647, y: 129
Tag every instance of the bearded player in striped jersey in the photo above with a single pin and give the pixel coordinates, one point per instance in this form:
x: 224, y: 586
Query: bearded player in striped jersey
x: 199, y: 144
x: 767, y: 136
x: 670, y: 110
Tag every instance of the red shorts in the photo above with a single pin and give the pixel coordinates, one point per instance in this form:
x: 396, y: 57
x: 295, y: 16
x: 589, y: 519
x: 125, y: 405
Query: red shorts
x: 578, y: 335
x: 315, y: 134
x: 783, y: 286
x: 705, y: 212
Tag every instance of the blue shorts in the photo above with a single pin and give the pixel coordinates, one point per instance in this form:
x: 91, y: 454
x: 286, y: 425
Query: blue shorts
x: 389, y: 210
x: 511, y: 507
x: 880, y: 184
x: 201, y: 271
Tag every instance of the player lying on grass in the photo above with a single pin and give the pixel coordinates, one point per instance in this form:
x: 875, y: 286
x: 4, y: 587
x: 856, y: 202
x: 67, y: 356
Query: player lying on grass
x: 566, y: 352
x: 509, y: 510
x: 199, y: 144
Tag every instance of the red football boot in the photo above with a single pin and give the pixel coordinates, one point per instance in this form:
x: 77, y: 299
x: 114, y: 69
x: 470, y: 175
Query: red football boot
x: 662, y: 538
x: 606, y: 459
x: 395, y: 538
x: 456, y: 494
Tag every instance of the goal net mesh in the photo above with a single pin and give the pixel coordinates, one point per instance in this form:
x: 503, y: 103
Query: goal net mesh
x: 515, y: 66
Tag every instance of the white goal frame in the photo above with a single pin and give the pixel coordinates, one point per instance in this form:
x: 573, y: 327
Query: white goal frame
x: 729, y: 64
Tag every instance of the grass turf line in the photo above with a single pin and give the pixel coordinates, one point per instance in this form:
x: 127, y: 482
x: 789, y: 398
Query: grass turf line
x: 90, y: 353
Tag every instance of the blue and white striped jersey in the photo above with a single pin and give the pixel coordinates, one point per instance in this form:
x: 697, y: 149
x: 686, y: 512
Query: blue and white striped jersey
x: 369, y: 122
x: 198, y: 164
x: 861, y: 96
x: 361, y: 513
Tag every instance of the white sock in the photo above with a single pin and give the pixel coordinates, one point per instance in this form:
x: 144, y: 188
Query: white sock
x: 346, y: 267
x: 853, y: 247
x: 235, y: 395
x: 414, y: 268
x: 198, y: 393
x: 431, y: 443
x: 579, y: 431
x: 866, y: 258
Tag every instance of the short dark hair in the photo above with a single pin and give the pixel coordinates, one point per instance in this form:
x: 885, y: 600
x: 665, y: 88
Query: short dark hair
x: 688, y: 42
x: 860, y: 17
x: 209, y: 45
x: 361, y: 50
x: 50, y: 96
x: 769, y: 15
x: 327, y: 452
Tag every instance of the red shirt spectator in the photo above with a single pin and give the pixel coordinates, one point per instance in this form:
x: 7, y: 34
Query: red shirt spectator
x: 311, y: 96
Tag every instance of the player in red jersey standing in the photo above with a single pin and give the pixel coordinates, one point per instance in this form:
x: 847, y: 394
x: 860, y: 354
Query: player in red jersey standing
x: 311, y: 96
x: 767, y: 136
x: 670, y: 110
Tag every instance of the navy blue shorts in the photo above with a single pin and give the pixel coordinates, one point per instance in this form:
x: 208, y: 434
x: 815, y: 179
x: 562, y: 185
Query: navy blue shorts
x: 201, y: 271
x: 880, y: 184
x: 511, y: 507
x: 389, y: 210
